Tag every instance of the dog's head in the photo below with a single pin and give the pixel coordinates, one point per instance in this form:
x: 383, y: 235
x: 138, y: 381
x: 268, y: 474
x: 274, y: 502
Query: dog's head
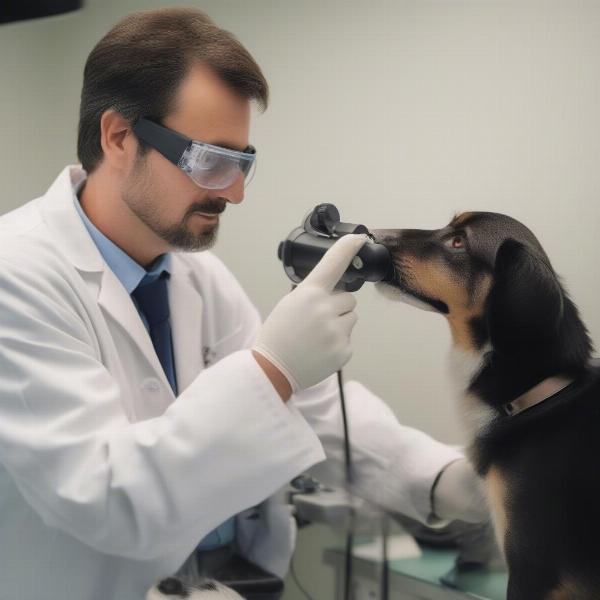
x: 488, y: 274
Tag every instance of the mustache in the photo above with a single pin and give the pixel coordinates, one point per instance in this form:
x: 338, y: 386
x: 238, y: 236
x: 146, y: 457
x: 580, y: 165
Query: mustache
x: 214, y: 206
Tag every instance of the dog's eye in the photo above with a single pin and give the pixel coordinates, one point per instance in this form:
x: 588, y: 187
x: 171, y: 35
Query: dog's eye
x: 456, y: 242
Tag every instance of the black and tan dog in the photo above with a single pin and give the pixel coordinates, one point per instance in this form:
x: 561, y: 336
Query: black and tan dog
x: 530, y: 396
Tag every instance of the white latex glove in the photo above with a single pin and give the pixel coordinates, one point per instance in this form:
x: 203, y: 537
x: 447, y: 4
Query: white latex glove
x: 459, y: 494
x: 307, y: 335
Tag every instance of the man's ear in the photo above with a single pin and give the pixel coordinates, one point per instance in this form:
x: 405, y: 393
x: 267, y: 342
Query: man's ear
x: 118, y: 144
x: 525, y: 303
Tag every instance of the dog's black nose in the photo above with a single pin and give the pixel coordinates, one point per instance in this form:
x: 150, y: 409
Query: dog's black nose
x: 173, y: 587
x: 386, y: 237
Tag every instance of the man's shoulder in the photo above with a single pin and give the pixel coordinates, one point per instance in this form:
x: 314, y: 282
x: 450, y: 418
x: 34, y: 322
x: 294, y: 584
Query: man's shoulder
x: 24, y: 243
x: 21, y: 220
x: 31, y: 260
x: 24, y: 232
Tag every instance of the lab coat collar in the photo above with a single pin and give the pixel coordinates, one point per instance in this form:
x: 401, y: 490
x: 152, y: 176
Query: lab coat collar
x: 58, y: 211
x: 68, y: 231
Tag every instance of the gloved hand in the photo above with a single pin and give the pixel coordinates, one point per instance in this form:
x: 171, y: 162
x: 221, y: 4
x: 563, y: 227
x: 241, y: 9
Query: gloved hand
x: 307, y: 335
x: 459, y: 494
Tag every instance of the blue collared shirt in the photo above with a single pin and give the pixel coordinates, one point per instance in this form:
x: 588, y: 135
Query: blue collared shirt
x: 130, y: 273
x: 127, y: 270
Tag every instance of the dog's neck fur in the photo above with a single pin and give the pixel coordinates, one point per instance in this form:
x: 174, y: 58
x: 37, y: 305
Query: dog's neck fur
x: 486, y: 379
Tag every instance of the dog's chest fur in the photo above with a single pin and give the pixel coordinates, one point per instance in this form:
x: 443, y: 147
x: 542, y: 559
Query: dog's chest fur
x: 540, y: 474
x: 477, y: 418
x: 464, y: 366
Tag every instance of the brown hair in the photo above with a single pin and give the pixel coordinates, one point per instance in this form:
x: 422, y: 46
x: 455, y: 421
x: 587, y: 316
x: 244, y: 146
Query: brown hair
x: 138, y: 65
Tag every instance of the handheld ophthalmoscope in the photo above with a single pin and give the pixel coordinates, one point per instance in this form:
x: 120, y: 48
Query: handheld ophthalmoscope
x: 306, y: 245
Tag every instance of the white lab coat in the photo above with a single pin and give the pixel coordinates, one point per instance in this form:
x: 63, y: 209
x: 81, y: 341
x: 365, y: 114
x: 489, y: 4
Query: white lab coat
x: 107, y: 481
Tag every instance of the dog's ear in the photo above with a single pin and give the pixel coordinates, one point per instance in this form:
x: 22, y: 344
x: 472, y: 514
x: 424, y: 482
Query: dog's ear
x: 525, y: 304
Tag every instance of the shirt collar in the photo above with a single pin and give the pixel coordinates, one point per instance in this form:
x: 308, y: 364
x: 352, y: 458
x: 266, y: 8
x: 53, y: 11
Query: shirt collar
x: 128, y: 271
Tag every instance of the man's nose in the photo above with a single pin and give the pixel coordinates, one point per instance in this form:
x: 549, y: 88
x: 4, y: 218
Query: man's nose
x: 233, y: 193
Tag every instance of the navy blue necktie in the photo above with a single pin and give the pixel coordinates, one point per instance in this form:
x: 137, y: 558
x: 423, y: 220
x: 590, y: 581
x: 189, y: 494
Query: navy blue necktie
x: 153, y: 301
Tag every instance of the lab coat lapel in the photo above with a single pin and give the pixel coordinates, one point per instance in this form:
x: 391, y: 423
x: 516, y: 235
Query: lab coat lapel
x: 118, y: 305
x: 68, y: 231
x: 186, y: 306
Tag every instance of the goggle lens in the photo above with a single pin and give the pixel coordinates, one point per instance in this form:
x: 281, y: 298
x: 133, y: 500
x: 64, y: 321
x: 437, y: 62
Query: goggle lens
x: 213, y: 167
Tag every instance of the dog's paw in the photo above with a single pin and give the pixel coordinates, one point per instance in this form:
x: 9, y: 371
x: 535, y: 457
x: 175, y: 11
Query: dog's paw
x: 173, y: 588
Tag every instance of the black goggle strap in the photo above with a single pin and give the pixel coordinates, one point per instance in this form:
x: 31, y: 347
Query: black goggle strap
x: 169, y: 143
x: 247, y: 165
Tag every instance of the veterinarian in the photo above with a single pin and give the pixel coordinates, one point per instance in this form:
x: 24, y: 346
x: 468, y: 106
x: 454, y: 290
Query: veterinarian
x: 145, y: 412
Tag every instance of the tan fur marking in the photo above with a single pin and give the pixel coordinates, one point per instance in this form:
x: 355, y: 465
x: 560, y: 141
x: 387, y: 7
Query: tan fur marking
x: 461, y: 333
x: 559, y: 593
x: 461, y: 316
x: 569, y: 589
x: 458, y: 220
x: 496, y: 493
x: 435, y: 281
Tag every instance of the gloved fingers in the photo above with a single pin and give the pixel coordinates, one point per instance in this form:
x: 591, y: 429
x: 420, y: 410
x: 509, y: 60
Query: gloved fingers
x: 329, y: 270
x: 342, y: 302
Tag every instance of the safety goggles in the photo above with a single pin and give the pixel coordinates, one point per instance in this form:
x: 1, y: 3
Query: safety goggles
x: 211, y: 167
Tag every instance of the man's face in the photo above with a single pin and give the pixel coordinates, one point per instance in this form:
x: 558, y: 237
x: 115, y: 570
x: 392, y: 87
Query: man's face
x: 161, y: 195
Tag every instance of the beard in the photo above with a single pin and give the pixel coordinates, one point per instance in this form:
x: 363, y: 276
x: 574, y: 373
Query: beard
x: 140, y: 199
